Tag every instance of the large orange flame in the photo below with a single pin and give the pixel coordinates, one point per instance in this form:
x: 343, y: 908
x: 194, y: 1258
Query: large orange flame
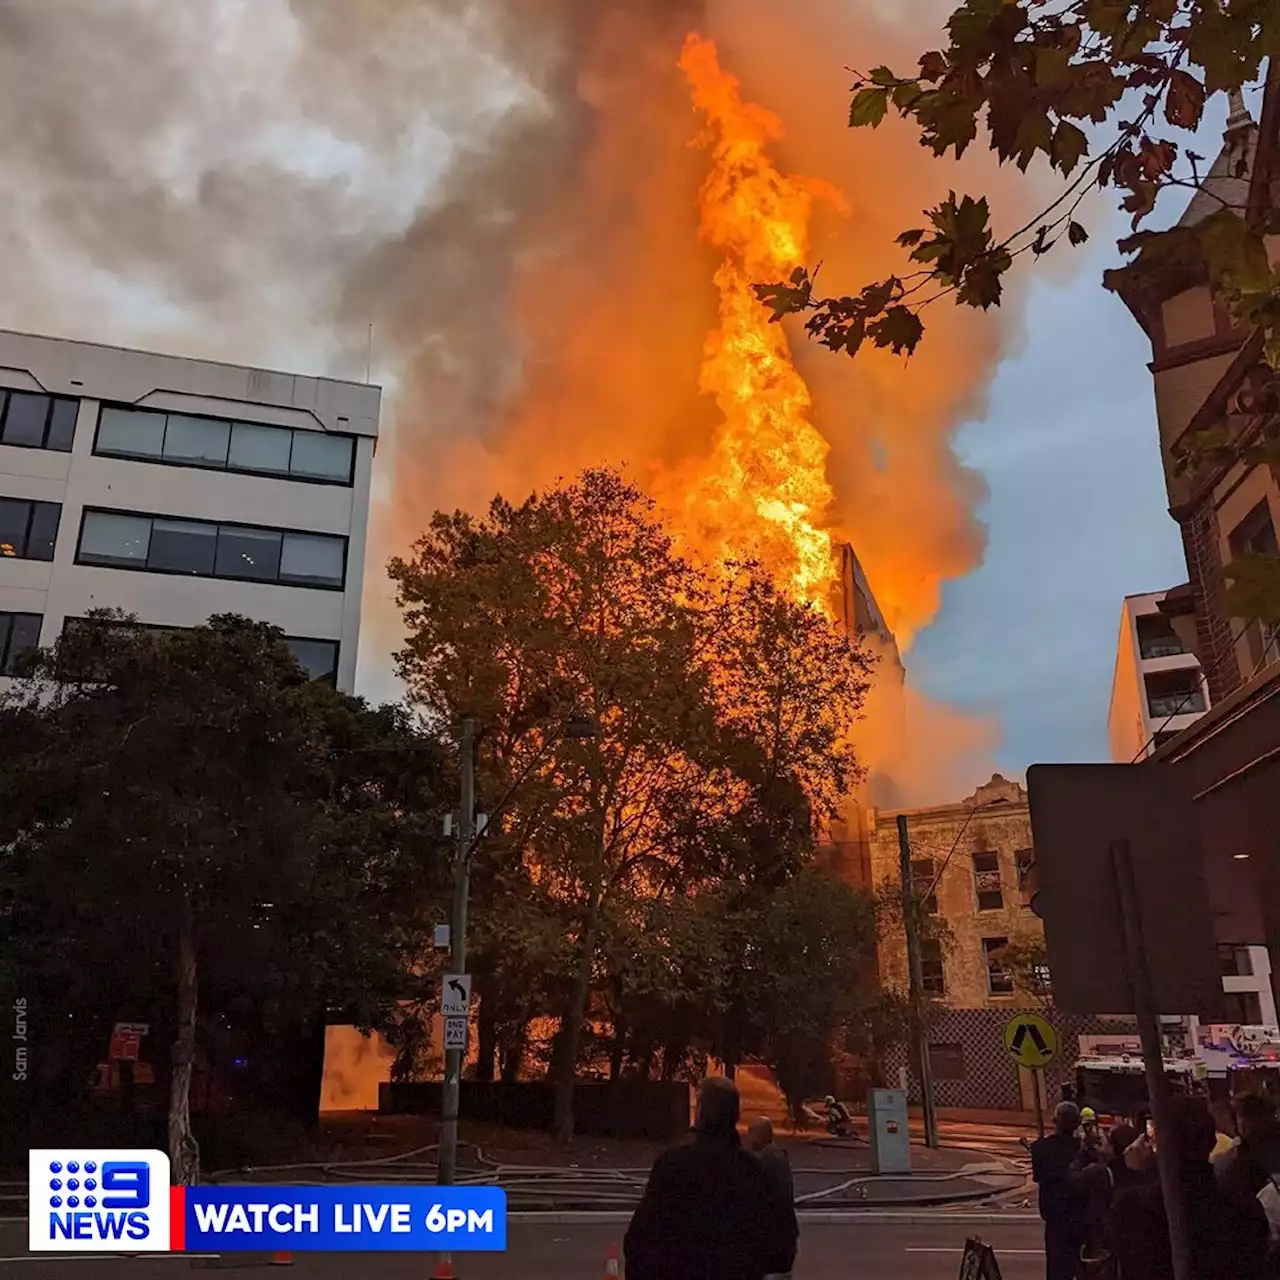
x: 762, y: 492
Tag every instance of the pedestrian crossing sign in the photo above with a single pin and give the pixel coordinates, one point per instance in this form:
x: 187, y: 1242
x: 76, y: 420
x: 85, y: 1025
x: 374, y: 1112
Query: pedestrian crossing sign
x: 1030, y: 1040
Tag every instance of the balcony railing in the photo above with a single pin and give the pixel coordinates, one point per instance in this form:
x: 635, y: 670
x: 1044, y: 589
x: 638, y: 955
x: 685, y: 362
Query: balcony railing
x: 1162, y: 647
x: 1176, y: 704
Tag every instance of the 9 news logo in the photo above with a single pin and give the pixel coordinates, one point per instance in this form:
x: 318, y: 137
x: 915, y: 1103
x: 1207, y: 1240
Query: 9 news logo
x: 109, y: 1201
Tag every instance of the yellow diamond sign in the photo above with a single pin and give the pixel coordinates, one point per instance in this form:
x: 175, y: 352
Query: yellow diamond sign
x: 1030, y: 1040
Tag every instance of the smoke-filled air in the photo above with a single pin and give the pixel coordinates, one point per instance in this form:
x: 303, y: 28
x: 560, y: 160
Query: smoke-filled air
x: 536, y: 222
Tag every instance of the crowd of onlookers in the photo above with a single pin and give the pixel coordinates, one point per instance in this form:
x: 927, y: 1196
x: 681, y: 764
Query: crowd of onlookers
x: 1103, y: 1208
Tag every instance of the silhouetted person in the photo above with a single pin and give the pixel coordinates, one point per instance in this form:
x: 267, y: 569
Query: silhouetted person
x: 775, y: 1163
x: 1053, y: 1160
x: 1229, y: 1237
x: 1243, y: 1170
x: 709, y: 1211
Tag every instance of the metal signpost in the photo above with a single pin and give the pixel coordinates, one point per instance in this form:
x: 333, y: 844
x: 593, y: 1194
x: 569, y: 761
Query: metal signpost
x: 1123, y: 890
x: 1032, y: 1043
x: 453, y: 1057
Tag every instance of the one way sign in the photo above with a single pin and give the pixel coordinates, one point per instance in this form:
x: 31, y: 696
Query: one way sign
x: 1030, y: 1040
x: 455, y: 995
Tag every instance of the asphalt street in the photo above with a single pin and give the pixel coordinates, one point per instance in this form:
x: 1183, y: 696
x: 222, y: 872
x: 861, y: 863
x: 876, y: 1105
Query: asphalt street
x: 867, y: 1251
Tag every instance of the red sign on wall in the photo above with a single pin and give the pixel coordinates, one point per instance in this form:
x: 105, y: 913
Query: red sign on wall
x: 126, y: 1041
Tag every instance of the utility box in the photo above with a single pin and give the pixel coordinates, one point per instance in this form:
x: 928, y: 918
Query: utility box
x: 890, y: 1135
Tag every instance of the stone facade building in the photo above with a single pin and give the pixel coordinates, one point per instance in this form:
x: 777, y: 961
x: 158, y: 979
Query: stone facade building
x: 975, y: 855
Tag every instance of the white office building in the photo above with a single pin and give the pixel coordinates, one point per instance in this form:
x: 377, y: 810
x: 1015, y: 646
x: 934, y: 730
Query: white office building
x: 1158, y: 688
x: 175, y: 489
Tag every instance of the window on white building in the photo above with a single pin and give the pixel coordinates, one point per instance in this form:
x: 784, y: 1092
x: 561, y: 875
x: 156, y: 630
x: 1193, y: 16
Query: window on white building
x: 188, y: 440
x: 19, y: 632
x: 33, y: 421
x: 28, y: 530
x: 166, y: 544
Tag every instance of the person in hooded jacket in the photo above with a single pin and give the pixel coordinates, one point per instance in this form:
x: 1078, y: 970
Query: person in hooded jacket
x: 710, y: 1210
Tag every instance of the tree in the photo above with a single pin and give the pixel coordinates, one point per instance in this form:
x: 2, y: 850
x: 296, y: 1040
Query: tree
x: 1035, y: 73
x: 1027, y: 959
x: 812, y: 965
x: 573, y: 603
x: 185, y: 819
x: 721, y: 709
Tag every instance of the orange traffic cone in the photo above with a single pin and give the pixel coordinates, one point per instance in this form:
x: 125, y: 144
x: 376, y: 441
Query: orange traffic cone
x: 281, y: 1258
x: 444, y: 1268
x: 611, y: 1267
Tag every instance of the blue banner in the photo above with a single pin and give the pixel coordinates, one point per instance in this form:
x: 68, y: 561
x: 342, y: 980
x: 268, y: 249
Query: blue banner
x: 268, y: 1218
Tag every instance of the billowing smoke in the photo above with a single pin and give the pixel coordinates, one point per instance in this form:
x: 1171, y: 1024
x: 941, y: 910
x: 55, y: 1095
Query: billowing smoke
x: 491, y: 205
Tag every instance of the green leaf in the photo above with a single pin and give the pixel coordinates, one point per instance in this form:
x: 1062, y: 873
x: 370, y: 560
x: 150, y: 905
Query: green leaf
x: 1052, y: 67
x: 784, y: 299
x: 869, y: 107
x: 907, y: 94
x: 1069, y: 145
x: 899, y: 328
x: 1184, y: 101
x: 909, y: 238
x: 883, y: 77
x: 1035, y: 134
x: 982, y: 285
x: 1107, y: 17
x: 933, y: 66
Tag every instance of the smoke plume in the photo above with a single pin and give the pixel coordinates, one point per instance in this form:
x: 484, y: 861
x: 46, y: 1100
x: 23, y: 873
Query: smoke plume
x: 491, y: 204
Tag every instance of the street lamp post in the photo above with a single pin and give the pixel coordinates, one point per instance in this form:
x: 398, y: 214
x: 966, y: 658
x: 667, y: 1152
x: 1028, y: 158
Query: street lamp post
x: 574, y: 727
x: 453, y: 1058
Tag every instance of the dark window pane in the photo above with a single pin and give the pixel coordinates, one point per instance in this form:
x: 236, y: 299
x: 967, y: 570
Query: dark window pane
x: 182, y: 546
x: 108, y: 538
x: 986, y: 874
x: 947, y: 1061
x: 1156, y: 637
x: 23, y: 635
x: 201, y: 441
x: 62, y: 424
x: 15, y: 516
x: 312, y: 560
x: 259, y: 448
x: 318, y: 658
x: 25, y: 420
x: 6, y: 621
x: 44, y: 530
x: 131, y: 433
x: 931, y: 967
x: 319, y: 456
x: 248, y: 553
x: 999, y: 979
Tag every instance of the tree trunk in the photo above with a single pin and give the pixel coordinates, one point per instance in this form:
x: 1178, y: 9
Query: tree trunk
x: 513, y: 1052
x: 616, y: 1051
x: 567, y: 1064
x: 487, y: 1047
x: 184, y: 1152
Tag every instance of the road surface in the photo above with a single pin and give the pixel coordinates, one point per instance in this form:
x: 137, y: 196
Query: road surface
x: 859, y: 1251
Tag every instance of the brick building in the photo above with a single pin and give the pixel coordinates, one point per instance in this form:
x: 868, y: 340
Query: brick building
x: 1210, y: 375
x: 974, y: 855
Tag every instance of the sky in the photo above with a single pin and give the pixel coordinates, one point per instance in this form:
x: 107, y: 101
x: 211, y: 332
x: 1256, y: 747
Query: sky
x: 1077, y: 520
x: 158, y: 211
x: 1077, y: 515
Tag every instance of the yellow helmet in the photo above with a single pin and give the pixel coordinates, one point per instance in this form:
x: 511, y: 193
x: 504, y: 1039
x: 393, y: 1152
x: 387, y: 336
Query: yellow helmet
x: 1087, y: 1114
